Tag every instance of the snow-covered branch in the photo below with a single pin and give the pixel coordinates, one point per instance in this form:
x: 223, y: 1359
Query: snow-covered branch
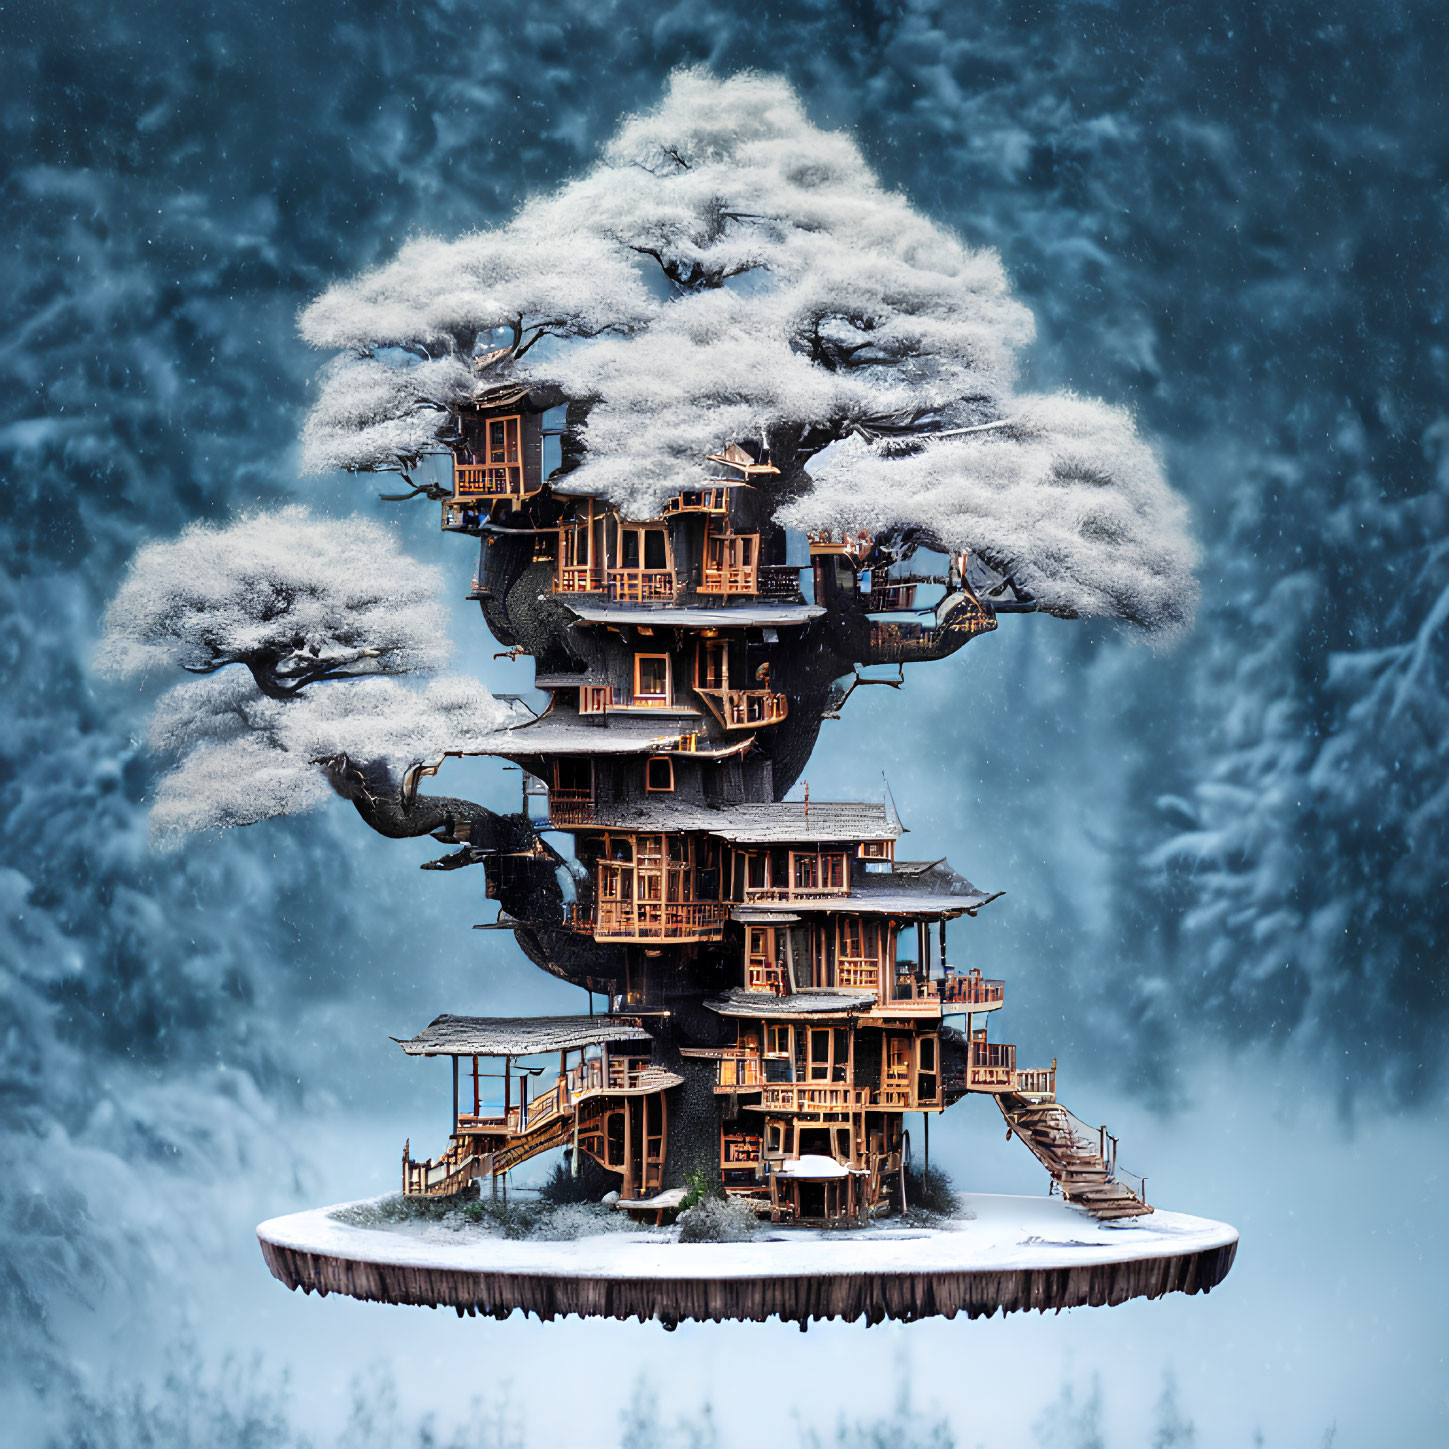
x: 241, y: 757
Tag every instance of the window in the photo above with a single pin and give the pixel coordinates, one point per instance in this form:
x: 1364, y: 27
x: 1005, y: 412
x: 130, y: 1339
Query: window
x: 490, y: 461
x: 651, y: 679
x: 820, y: 1041
x: 873, y: 850
x: 594, y: 699
x: 756, y: 870
x: 806, y: 876
x: 574, y: 777
x: 659, y: 773
x: 780, y: 1041
x: 643, y: 548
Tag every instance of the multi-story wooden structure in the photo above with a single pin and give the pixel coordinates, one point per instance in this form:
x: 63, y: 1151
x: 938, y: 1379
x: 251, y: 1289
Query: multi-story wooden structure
x: 779, y: 990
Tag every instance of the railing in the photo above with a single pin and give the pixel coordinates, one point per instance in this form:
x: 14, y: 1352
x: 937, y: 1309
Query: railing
x: 780, y: 581
x: 970, y: 989
x: 451, y: 1173
x: 578, y: 579
x: 730, y: 579
x: 759, y: 977
x: 765, y: 895
x: 620, y: 698
x: 485, y: 481
x: 658, y: 920
x: 640, y: 586
x: 1037, y: 1082
x: 806, y: 1097
x: 741, y: 1071
x: 570, y: 807
x: 698, y: 500
x: 742, y: 709
x: 857, y: 973
x: 991, y: 1067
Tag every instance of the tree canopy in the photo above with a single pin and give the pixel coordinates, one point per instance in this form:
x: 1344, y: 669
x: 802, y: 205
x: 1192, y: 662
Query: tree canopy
x: 728, y: 271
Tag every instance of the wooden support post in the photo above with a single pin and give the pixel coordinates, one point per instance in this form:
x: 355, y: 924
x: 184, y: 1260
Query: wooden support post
x: 477, y: 1098
x: 507, y: 1091
x: 455, y: 1093
x: 926, y: 1132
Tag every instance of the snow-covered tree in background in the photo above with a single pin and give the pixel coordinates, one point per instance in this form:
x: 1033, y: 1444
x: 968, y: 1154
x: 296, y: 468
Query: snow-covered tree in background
x: 293, y: 622
x: 729, y: 271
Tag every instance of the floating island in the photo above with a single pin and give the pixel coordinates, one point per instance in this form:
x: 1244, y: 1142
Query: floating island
x: 992, y: 1253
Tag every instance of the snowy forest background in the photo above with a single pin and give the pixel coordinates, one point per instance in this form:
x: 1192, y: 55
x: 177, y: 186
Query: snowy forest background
x: 1225, y: 862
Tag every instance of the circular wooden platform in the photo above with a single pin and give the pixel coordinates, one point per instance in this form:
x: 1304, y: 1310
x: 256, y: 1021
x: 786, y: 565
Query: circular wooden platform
x: 1016, y: 1253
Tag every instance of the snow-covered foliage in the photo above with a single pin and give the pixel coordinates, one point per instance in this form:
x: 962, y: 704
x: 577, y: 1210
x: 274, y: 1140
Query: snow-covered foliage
x: 293, y: 597
x: 1064, y: 498
x: 310, y: 612
x: 728, y: 271
x: 242, y: 757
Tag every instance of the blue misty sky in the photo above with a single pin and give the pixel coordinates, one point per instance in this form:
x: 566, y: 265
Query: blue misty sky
x: 1234, y: 223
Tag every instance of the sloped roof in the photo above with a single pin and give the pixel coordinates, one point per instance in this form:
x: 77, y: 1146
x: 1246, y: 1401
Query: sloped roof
x: 515, y: 1036
x: 758, y: 823
x: 912, y: 889
x: 739, y: 1002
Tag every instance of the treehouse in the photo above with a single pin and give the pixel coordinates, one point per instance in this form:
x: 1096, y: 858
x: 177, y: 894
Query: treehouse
x: 778, y: 978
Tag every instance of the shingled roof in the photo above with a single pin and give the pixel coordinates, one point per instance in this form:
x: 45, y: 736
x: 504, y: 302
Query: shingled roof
x: 788, y: 821
x: 740, y: 1002
x: 515, y: 1036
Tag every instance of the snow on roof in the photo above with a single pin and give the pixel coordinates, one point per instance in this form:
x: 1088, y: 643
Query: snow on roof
x: 742, y: 616
x: 910, y: 888
x: 739, y: 1002
x: 515, y: 1036
x: 562, y: 732
x: 758, y: 823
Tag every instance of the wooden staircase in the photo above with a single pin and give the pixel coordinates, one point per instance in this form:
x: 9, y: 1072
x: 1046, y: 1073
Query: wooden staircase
x: 1077, y: 1156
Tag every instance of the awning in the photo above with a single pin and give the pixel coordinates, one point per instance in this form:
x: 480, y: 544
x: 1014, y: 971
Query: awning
x: 515, y: 1036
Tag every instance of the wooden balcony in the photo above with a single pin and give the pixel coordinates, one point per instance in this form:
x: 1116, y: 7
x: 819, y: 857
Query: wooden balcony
x: 970, y: 989
x: 640, y: 586
x: 1038, y: 1082
x: 657, y: 921
x: 481, y: 480
x: 570, y: 807
x: 730, y: 579
x: 579, y: 579
x: 812, y: 1097
x: 744, y: 709
x: 991, y: 1067
x: 857, y: 973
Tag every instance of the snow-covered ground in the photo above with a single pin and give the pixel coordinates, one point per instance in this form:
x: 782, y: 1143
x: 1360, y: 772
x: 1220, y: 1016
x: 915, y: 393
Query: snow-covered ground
x: 993, y: 1233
